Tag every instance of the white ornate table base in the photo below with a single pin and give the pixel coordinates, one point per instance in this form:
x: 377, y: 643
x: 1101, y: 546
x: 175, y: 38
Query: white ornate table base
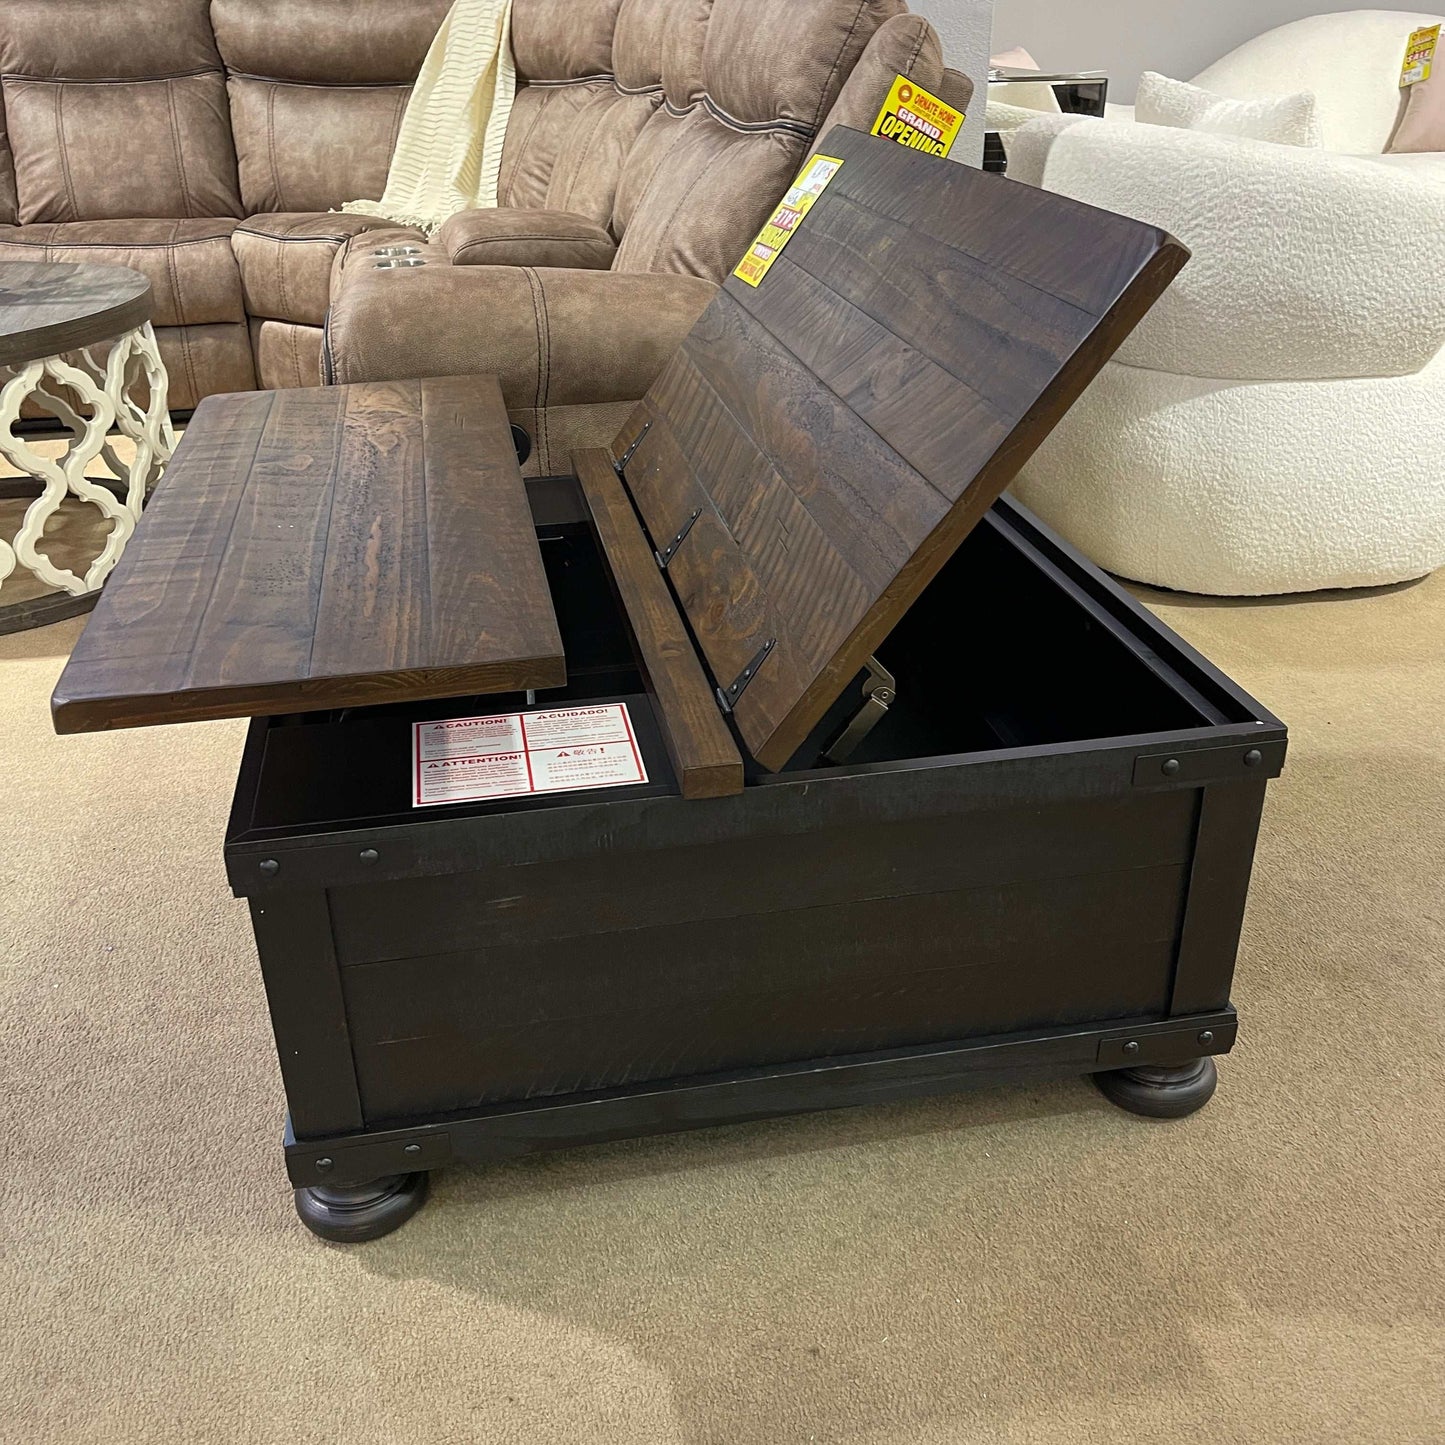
x: 106, y: 390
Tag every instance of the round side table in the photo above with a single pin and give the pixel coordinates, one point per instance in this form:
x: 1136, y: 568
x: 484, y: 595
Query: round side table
x: 52, y: 316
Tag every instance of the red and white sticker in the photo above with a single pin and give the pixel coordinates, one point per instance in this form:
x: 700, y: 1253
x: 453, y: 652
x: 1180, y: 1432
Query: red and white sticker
x: 514, y: 755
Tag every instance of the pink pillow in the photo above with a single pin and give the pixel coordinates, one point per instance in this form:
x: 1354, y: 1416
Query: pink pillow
x: 1422, y: 123
x: 1016, y: 59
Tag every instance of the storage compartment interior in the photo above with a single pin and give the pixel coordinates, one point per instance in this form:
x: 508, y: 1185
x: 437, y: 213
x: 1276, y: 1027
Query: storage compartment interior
x: 1000, y: 652
x: 997, y: 653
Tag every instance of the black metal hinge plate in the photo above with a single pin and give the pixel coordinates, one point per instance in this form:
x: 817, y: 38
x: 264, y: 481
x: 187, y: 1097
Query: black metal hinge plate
x: 670, y: 551
x: 620, y: 464
x: 728, y: 696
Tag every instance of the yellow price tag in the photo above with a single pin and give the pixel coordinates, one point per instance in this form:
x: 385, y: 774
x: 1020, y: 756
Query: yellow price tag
x: 917, y: 119
x: 812, y: 181
x: 1420, y: 56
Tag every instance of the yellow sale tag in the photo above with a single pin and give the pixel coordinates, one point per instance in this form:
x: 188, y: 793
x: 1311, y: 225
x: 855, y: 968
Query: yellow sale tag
x: 811, y: 183
x: 918, y: 120
x: 1420, y: 56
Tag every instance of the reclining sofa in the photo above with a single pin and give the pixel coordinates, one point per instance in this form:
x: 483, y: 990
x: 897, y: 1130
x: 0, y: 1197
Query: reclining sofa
x: 206, y: 143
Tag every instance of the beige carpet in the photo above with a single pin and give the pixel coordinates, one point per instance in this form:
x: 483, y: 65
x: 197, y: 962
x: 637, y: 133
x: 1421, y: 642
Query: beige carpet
x: 1007, y: 1267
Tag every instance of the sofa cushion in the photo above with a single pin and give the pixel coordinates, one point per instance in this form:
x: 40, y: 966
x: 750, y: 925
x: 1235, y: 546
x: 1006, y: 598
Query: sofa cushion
x: 286, y: 355
x: 683, y: 40
x: 313, y: 147
x: 905, y: 45
x: 189, y: 264
x: 766, y: 63
x: 527, y: 238
x: 554, y: 337
x: 711, y: 164
x: 563, y: 39
x: 1290, y: 120
x: 709, y: 197
x: 285, y: 262
x: 9, y: 201
x: 1351, y: 62
x: 576, y: 118
x: 372, y: 42
x: 1422, y: 118
x: 97, y: 151
x: 203, y: 360
x: 637, y: 46
x: 106, y: 39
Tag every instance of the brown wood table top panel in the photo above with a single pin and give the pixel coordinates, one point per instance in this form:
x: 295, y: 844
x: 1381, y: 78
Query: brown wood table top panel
x: 336, y: 547
x: 840, y: 428
x: 47, y: 308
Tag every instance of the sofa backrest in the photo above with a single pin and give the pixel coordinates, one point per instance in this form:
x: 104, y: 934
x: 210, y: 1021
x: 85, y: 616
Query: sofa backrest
x: 114, y: 110
x: 589, y: 77
x: 677, y: 123
x: 160, y: 109
x: 1350, y: 61
x: 749, y: 87
x: 317, y: 92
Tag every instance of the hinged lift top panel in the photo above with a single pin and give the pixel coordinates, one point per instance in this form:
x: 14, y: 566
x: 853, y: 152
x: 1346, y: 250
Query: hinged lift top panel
x: 325, y: 548
x: 823, y: 442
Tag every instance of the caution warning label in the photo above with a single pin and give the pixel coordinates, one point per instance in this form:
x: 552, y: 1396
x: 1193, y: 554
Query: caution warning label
x: 514, y: 755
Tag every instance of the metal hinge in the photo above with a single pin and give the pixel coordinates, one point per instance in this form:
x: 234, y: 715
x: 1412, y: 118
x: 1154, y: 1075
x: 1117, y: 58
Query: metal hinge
x: 880, y: 692
x: 619, y: 464
x: 728, y: 696
x: 666, y: 556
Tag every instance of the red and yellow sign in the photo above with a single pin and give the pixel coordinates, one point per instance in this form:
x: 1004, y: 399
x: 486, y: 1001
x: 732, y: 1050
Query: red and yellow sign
x: 916, y: 119
x: 811, y: 183
x: 1420, y: 56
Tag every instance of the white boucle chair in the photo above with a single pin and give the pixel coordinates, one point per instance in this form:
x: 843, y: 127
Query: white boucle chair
x: 1277, y: 423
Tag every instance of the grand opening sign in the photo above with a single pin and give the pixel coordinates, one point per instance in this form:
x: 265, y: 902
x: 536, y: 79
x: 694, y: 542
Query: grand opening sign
x: 917, y: 119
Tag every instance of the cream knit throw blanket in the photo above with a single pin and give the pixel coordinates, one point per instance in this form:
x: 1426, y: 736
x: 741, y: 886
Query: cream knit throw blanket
x: 449, y: 152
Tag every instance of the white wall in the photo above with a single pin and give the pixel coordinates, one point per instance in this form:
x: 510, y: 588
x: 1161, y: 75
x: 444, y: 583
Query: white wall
x: 966, y: 27
x: 1126, y: 37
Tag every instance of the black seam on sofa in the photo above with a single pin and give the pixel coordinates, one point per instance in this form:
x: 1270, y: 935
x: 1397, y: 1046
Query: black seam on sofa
x: 755, y: 127
x: 323, y: 84
x: 115, y: 245
x: 327, y: 239
x: 108, y: 79
x: 576, y: 80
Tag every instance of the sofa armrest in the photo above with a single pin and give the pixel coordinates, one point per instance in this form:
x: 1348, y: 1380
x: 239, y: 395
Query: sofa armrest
x: 509, y: 237
x: 555, y: 337
x: 1307, y: 265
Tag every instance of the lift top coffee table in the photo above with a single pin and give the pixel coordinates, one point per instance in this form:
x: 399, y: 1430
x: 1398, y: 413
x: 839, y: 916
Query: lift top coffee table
x: 857, y: 783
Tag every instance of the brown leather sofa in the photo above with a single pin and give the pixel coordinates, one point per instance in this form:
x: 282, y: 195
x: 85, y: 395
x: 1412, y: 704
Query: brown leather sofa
x: 147, y: 132
x: 205, y: 143
x: 649, y: 144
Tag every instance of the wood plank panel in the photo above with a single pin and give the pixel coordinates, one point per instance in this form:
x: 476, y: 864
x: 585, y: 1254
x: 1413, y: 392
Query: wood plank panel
x: 708, y: 885
x: 262, y: 613
x: 152, y: 606
x: 498, y: 1024
x: 704, y: 755
x: 324, y: 548
x: 374, y: 576
x: 843, y: 426
x: 1079, y: 253
x: 486, y: 581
